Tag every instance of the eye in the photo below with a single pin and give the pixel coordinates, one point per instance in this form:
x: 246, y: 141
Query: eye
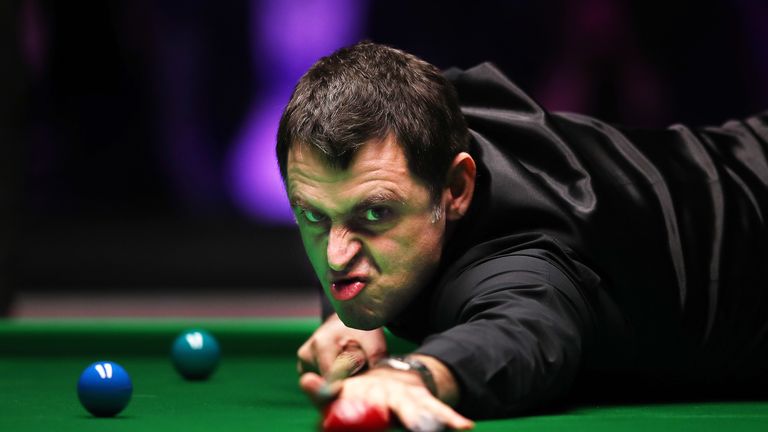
x: 377, y: 214
x: 312, y: 216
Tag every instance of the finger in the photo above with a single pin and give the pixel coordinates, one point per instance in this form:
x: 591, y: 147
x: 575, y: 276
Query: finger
x: 415, y: 418
x: 310, y: 384
x: 422, y: 412
x: 451, y: 418
x: 328, y: 392
x: 375, y: 347
x: 420, y: 419
x: 377, y: 395
x: 426, y: 422
x: 306, y: 358
x: 446, y: 414
x: 303, y: 367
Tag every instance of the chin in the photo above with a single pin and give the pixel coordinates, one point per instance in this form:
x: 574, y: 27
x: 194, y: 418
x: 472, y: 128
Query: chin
x: 361, y: 321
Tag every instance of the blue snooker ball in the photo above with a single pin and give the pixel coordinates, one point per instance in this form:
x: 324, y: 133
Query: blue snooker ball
x: 195, y: 354
x: 104, y: 388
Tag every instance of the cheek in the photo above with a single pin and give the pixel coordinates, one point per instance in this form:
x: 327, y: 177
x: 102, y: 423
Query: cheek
x: 428, y: 249
x: 415, y: 251
x: 315, y: 247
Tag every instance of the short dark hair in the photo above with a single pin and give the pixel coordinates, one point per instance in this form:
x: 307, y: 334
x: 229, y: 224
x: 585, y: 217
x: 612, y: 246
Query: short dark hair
x: 368, y: 91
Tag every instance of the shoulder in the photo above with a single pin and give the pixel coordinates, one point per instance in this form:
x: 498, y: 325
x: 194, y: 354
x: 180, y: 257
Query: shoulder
x: 509, y: 270
x: 538, y: 270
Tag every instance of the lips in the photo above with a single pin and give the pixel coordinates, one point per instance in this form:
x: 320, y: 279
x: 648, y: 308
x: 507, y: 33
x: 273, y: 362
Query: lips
x: 347, y: 289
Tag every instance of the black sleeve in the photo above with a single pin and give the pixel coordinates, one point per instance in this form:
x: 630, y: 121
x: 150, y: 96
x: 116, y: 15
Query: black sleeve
x: 519, y: 337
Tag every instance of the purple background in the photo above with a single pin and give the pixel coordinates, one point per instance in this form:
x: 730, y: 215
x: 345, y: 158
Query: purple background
x: 143, y: 131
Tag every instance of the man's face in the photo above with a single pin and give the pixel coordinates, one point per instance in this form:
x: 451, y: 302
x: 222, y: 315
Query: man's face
x: 369, y: 230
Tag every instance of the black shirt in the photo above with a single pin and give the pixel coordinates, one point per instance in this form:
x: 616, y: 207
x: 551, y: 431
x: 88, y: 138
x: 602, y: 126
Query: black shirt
x: 589, y: 247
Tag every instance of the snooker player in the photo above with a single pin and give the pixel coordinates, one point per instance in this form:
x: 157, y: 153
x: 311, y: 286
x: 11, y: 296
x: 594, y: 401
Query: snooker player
x: 521, y: 250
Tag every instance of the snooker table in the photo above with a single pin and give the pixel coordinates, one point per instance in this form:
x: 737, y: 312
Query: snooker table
x: 255, y: 387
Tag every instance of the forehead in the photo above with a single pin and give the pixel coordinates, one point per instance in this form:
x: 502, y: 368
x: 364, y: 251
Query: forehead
x: 379, y: 166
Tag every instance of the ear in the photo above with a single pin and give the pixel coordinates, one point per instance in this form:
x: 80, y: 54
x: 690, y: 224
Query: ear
x: 460, y: 186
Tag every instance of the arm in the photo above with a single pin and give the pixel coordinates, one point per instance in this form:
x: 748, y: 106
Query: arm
x: 518, y: 338
x: 516, y: 343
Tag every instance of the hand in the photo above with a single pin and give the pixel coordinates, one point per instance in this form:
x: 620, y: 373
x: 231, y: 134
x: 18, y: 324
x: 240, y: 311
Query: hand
x: 320, y: 350
x: 400, y: 392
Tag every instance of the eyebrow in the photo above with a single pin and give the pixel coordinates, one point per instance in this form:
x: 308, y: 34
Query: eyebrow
x: 367, y: 202
x: 378, y: 199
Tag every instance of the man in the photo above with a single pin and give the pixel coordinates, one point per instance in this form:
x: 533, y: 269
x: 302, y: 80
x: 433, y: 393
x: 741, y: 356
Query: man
x: 521, y: 254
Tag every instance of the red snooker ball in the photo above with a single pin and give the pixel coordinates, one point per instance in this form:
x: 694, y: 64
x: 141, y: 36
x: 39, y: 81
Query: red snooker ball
x: 348, y: 415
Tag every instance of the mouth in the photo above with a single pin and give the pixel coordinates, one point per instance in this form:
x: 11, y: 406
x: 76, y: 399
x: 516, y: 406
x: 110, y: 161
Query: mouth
x: 347, y: 288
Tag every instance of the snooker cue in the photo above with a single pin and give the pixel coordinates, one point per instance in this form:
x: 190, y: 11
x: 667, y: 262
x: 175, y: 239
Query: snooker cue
x: 348, y: 362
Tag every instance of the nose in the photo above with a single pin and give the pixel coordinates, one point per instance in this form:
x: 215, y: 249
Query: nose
x: 342, y: 248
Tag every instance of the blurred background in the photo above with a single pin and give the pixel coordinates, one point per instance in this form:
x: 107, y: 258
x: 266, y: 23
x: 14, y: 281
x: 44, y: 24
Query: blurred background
x: 137, y: 174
